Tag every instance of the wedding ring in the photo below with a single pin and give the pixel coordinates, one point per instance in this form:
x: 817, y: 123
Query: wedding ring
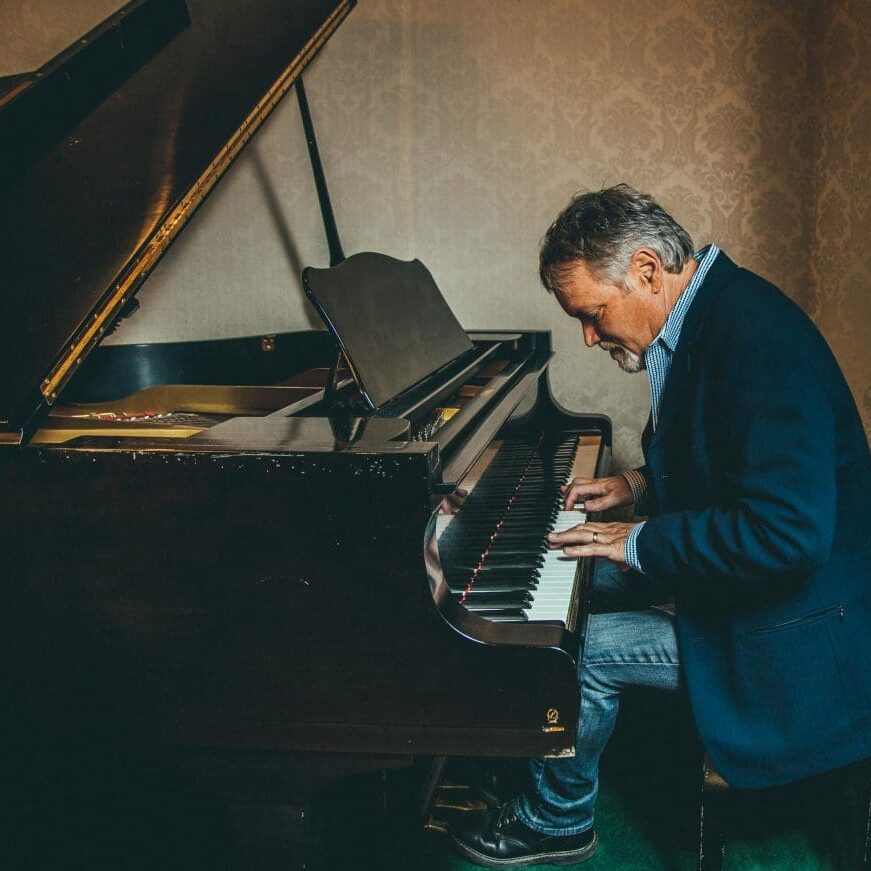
x: 595, y: 538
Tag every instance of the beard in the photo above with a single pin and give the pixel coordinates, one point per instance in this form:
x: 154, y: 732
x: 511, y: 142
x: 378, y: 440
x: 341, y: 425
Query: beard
x: 625, y: 359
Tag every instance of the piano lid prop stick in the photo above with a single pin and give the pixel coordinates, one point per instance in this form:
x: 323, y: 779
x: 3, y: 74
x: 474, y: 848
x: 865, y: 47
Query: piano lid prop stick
x: 333, y: 242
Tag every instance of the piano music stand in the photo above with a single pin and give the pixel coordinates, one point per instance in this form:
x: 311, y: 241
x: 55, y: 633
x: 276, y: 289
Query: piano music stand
x: 389, y: 320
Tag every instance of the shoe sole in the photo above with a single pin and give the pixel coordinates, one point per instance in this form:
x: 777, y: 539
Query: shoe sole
x: 566, y: 857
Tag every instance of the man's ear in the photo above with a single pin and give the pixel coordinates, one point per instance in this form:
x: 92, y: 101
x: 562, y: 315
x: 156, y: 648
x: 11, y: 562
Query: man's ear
x: 647, y: 268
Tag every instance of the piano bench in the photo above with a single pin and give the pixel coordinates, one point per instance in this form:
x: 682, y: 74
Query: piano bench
x: 829, y: 815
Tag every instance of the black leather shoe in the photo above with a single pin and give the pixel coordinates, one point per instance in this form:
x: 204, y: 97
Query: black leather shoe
x: 496, y: 838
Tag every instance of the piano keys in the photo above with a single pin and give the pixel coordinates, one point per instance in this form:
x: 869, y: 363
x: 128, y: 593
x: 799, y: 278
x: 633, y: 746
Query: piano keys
x: 493, y: 548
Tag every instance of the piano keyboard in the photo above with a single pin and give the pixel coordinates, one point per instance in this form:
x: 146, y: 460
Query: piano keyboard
x: 494, y: 551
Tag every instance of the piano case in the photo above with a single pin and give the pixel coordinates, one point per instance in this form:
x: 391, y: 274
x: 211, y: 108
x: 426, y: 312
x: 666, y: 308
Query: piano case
x: 212, y: 577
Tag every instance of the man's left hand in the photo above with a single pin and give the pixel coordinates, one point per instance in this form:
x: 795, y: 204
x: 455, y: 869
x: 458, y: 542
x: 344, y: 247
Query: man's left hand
x: 594, y: 539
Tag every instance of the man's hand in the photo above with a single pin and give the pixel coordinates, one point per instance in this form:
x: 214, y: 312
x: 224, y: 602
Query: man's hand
x: 598, y: 494
x: 594, y: 539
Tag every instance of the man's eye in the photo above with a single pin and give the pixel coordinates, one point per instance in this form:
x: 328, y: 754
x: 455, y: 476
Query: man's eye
x: 590, y: 317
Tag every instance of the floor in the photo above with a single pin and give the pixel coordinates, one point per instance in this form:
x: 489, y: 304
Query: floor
x: 647, y: 814
x: 59, y: 815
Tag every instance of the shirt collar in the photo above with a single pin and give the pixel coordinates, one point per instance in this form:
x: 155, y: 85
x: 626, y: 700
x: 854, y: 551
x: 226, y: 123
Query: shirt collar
x: 671, y: 329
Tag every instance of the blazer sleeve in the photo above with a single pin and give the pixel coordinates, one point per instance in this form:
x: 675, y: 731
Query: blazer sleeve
x: 774, y: 460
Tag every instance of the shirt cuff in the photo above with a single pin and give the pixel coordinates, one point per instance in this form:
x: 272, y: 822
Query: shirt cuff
x: 630, y: 549
x: 637, y: 484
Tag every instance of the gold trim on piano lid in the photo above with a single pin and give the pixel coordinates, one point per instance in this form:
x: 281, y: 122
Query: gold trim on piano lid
x: 15, y: 90
x: 176, y: 220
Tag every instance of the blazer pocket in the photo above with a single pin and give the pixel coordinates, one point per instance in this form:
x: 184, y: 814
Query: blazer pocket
x: 803, y: 620
x: 787, y: 678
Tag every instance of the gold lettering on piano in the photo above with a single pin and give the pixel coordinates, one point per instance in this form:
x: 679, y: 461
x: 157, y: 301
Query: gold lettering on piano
x: 552, y: 722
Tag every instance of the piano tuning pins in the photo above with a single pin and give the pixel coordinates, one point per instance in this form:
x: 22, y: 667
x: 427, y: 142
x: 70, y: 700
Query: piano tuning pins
x: 424, y: 431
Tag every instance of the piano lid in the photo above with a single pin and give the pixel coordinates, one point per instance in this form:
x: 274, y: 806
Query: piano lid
x: 112, y: 146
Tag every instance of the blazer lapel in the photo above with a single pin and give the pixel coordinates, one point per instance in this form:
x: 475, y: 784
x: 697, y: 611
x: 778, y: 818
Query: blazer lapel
x: 647, y: 435
x: 721, y: 271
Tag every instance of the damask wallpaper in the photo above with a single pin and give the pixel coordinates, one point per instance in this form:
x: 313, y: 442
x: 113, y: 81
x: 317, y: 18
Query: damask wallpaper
x: 454, y: 131
x: 32, y: 32
x: 840, y: 301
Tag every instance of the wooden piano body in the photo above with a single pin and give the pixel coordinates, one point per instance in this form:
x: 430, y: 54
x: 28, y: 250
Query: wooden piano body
x: 266, y: 585
x: 229, y: 560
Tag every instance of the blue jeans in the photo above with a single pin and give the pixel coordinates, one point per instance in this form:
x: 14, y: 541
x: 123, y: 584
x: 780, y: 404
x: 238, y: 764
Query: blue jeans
x: 626, y: 648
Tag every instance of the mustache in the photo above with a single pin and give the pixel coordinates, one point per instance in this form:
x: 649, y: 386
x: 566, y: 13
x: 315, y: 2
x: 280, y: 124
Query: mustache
x: 626, y: 360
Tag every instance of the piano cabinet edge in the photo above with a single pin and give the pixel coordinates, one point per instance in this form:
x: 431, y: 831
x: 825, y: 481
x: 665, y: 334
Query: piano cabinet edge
x: 557, y: 415
x: 231, y: 598
x: 428, y: 740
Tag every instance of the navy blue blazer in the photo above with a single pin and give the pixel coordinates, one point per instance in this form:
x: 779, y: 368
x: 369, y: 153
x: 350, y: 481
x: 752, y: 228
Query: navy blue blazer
x: 760, y: 490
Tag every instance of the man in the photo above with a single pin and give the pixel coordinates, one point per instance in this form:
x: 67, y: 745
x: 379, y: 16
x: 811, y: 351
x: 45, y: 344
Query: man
x: 756, y: 489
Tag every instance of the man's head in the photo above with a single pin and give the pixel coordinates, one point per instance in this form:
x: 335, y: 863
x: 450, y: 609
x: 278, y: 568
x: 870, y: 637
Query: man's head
x: 617, y: 261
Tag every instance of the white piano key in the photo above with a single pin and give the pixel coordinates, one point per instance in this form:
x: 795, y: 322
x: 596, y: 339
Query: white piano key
x: 442, y: 523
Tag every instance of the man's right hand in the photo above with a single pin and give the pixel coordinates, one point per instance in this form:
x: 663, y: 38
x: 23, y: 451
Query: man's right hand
x: 598, y: 494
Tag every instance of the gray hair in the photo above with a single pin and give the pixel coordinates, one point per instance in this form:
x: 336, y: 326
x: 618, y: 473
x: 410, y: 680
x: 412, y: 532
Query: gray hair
x: 604, y: 229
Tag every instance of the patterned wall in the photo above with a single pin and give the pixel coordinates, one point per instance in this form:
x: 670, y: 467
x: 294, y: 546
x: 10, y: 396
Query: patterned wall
x: 841, y: 299
x: 32, y: 32
x: 454, y: 131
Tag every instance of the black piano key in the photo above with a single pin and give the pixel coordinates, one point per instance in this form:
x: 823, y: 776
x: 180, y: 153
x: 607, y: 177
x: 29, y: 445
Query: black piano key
x: 516, y: 574
x: 505, y: 561
x: 507, y: 615
x: 494, y: 601
x: 495, y: 586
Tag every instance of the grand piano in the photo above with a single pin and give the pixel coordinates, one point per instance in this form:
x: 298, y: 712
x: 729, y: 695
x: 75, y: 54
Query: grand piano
x: 294, y: 552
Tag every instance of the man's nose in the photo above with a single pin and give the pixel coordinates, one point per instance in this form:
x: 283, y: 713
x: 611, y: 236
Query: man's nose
x: 591, y: 337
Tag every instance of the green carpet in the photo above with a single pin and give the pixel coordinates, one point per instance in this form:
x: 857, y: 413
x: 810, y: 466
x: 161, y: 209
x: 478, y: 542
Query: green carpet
x: 647, y: 815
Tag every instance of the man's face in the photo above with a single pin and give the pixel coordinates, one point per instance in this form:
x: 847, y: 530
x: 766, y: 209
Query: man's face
x: 620, y: 321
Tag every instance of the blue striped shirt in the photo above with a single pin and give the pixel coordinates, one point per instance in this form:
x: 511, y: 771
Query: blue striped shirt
x: 657, y: 359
